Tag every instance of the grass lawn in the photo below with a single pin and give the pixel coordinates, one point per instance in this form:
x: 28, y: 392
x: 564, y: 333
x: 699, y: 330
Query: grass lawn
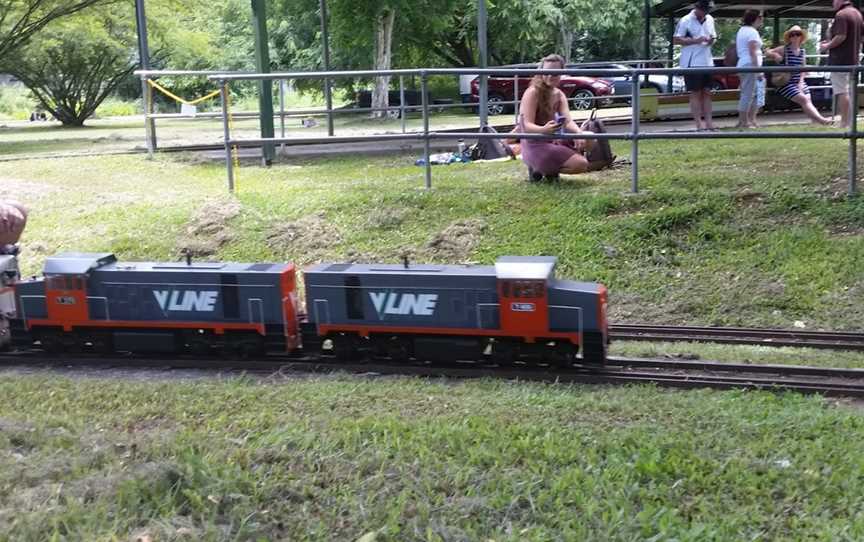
x: 726, y: 232
x: 338, y: 458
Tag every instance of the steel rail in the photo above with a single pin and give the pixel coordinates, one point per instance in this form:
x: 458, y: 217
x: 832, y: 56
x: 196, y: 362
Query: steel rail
x: 665, y: 373
x: 733, y: 335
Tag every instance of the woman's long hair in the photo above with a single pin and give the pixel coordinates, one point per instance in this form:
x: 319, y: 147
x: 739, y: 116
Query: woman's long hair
x: 545, y: 91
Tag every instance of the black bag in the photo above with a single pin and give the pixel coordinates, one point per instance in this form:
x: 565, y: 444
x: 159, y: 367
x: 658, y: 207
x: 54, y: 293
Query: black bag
x: 602, y: 150
x: 489, y: 149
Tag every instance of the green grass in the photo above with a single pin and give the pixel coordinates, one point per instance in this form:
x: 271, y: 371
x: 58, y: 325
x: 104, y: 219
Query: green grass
x: 746, y: 234
x: 336, y: 458
x: 730, y: 232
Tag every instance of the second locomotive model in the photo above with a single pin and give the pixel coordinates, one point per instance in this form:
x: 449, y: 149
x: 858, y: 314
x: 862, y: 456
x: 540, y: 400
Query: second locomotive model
x: 514, y: 311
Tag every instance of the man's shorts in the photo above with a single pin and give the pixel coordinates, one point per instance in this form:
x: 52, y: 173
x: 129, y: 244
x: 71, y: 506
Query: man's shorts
x: 697, y: 82
x: 839, y: 83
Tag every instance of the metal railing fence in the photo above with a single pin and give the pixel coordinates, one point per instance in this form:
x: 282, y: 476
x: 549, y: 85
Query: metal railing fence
x: 634, y: 136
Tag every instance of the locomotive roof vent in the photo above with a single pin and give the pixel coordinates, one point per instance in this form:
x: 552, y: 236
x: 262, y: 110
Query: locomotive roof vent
x: 77, y: 263
x: 525, y: 267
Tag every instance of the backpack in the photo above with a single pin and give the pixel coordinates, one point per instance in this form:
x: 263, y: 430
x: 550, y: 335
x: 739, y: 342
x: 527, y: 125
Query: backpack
x: 489, y: 149
x: 602, y: 150
x: 730, y: 57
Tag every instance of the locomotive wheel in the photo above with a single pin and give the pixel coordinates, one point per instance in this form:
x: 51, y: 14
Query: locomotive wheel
x: 593, y: 349
x: 247, y: 347
x: 51, y: 342
x: 399, y: 350
x: 344, y: 348
x: 563, y: 355
x: 504, y: 353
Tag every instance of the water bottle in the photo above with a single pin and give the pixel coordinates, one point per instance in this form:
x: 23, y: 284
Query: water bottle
x: 461, y: 147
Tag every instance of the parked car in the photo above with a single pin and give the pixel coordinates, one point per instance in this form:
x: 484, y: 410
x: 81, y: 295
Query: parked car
x: 580, y: 90
x: 624, y: 83
x: 724, y: 81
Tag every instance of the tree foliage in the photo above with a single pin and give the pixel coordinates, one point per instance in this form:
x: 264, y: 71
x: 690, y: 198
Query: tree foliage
x: 74, y: 66
x: 21, y: 19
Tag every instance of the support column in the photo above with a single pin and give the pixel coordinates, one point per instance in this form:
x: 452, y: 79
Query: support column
x: 670, y: 53
x: 265, y: 88
x: 144, y: 61
x: 325, y: 42
x: 646, y: 45
x: 484, y: 84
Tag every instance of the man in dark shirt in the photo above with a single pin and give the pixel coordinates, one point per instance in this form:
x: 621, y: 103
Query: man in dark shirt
x: 843, y: 49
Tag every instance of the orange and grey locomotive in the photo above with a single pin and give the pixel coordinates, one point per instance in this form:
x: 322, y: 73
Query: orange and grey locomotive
x: 514, y: 311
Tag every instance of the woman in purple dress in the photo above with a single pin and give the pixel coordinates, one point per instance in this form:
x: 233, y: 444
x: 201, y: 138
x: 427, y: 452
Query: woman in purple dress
x: 545, y: 111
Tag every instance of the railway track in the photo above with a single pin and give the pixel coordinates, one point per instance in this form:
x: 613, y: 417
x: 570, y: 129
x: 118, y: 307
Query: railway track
x: 667, y: 373
x: 737, y: 335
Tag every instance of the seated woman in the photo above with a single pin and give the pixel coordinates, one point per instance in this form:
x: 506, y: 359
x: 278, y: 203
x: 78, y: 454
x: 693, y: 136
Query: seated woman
x: 542, y: 104
x: 796, y: 90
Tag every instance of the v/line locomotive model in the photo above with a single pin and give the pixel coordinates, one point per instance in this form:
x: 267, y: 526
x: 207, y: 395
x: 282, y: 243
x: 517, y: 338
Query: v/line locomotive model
x: 514, y: 311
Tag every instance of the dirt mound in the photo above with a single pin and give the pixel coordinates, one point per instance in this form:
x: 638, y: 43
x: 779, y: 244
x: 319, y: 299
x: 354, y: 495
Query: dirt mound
x: 457, y: 241
x: 209, y: 229
x: 304, y: 240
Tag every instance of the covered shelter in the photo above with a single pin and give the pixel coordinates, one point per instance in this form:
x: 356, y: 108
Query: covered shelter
x: 671, y: 10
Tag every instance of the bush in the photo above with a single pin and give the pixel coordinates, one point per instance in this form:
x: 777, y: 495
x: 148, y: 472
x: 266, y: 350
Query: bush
x: 16, y: 103
x: 114, y: 107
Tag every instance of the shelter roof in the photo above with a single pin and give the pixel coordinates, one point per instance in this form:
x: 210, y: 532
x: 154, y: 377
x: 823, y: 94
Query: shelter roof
x: 806, y: 9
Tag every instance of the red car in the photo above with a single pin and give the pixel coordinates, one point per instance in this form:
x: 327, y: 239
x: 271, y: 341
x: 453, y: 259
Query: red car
x: 580, y: 90
x: 724, y: 81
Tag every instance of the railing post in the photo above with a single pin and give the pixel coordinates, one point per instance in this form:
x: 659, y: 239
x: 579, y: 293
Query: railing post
x: 402, y: 101
x: 634, y: 149
x: 227, y: 130
x: 424, y: 79
x: 282, y: 86
x: 516, y: 99
x: 149, y: 123
x: 853, y: 133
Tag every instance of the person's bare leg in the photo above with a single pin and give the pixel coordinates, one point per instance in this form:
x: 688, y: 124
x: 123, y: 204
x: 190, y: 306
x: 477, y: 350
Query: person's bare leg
x: 843, y: 108
x: 743, y: 119
x: 575, y: 165
x: 696, y: 108
x: 707, y: 109
x: 809, y: 110
x: 751, y: 117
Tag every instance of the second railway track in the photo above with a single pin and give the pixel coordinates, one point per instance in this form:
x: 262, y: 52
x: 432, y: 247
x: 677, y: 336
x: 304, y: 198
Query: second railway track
x: 736, y: 335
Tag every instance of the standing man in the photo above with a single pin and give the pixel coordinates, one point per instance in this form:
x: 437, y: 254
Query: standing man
x: 696, y: 34
x: 843, y: 49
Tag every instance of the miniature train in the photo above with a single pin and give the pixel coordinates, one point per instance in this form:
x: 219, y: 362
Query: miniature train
x: 514, y: 311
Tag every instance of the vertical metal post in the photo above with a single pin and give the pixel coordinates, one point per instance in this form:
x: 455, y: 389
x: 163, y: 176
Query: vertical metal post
x: 144, y: 61
x: 424, y: 79
x: 646, y: 45
x: 149, y: 123
x: 634, y: 149
x: 265, y: 87
x: 402, y: 101
x: 484, y: 83
x: 670, y: 53
x: 516, y: 98
x: 328, y: 93
x: 223, y: 87
x: 776, y: 32
x: 282, y: 85
x: 853, y: 133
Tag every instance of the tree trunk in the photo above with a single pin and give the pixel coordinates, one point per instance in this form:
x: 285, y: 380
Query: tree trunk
x: 566, y: 42
x: 383, y: 56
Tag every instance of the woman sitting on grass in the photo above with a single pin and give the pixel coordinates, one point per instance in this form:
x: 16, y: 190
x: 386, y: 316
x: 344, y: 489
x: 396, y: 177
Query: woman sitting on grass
x: 796, y: 90
x: 545, y: 111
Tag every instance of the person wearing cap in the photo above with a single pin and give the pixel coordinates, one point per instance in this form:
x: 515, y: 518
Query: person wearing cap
x: 843, y: 49
x: 796, y: 90
x: 696, y: 33
x: 13, y: 218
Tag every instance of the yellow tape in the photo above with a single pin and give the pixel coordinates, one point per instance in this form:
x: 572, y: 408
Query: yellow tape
x: 170, y: 94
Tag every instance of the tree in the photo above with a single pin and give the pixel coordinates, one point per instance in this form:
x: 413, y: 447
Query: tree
x: 75, y: 66
x: 21, y: 19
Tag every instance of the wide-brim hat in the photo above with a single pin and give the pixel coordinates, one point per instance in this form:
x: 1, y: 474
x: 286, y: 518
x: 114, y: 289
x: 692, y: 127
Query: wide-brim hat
x: 795, y: 28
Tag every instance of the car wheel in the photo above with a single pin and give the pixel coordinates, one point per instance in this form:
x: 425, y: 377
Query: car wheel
x: 494, y: 104
x: 716, y: 85
x: 583, y: 99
